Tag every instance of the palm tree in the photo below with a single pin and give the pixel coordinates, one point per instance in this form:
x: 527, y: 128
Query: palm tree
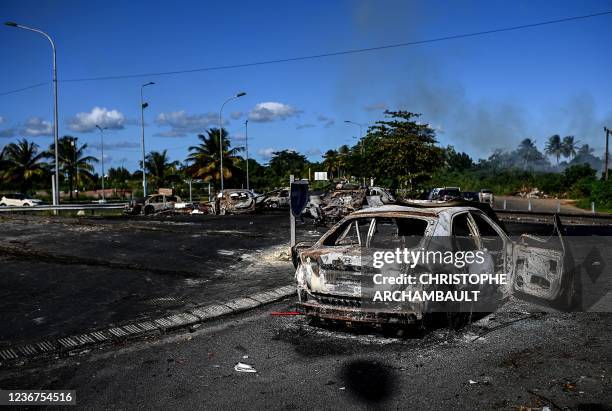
x: 343, y: 156
x: 159, y: 168
x: 205, y: 158
x: 569, y: 146
x: 585, y: 149
x: 72, y: 161
x: 22, y: 164
x: 528, y: 151
x: 554, y: 147
x: 331, y: 161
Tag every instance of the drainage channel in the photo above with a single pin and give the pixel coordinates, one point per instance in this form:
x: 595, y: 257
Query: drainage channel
x: 65, y: 345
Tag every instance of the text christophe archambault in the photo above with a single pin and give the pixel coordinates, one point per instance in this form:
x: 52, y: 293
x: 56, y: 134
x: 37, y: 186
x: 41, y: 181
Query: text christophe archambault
x: 423, y: 284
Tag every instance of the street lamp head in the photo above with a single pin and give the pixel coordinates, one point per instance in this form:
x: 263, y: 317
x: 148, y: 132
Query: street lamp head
x: 11, y: 24
x: 242, y: 93
x: 347, y: 121
x: 150, y: 83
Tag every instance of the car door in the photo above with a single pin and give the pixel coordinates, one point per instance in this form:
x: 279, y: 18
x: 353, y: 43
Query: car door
x: 493, y: 241
x: 335, y: 266
x: 540, y: 266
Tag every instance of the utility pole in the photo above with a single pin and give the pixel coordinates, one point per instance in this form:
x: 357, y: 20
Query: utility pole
x: 607, y: 130
x: 246, y: 137
x: 143, y: 105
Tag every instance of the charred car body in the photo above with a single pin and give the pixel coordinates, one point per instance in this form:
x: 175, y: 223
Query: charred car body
x: 345, y: 199
x: 153, y: 203
x: 330, y: 275
x: 234, y: 201
x: 275, y: 198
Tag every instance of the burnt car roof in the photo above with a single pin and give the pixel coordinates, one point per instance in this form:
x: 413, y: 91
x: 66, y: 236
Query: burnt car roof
x: 433, y: 209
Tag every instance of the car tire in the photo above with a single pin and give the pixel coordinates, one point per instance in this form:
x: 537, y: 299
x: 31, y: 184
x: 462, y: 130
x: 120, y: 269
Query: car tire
x: 149, y: 210
x: 2, y: 205
x: 222, y: 211
x: 274, y: 205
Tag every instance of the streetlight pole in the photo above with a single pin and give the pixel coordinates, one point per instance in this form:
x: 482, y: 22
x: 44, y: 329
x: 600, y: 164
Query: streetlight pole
x: 55, y: 109
x: 608, y: 131
x: 221, y: 132
x: 102, y: 149
x: 246, y: 137
x: 143, y: 105
x: 360, y: 138
x: 74, y: 145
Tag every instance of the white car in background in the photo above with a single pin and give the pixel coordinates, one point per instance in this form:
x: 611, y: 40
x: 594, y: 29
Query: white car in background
x: 19, y: 200
x: 485, y: 196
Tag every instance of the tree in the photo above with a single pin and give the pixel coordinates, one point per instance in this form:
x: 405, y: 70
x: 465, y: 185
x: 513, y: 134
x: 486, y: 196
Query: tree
x: 584, y: 155
x: 205, y: 158
x: 530, y: 154
x: 286, y: 162
x: 344, y: 152
x: 554, y: 147
x: 401, y: 151
x: 457, y: 161
x: 159, y: 168
x: 22, y: 164
x: 331, y: 162
x: 119, y: 177
x: 569, y: 146
x: 72, y: 158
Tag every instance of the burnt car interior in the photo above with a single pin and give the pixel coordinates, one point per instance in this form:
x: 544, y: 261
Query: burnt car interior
x: 378, y: 232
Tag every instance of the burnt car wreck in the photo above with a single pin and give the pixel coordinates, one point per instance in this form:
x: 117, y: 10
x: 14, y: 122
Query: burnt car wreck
x: 334, y: 277
x: 346, y: 198
x: 234, y: 201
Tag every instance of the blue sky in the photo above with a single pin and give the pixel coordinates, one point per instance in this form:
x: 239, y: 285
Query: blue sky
x: 480, y: 93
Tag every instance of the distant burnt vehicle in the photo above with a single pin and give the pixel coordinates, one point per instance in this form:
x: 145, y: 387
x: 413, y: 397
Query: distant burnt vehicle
x: 152, y: 204
x: 234, y: 201
x: 470, y: 195
x: 445, y: 193
x: 329, y: 273
x: 275, y: 198
x: 344, y: 199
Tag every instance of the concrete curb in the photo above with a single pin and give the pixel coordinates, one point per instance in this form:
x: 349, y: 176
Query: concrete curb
x: 135, y: 330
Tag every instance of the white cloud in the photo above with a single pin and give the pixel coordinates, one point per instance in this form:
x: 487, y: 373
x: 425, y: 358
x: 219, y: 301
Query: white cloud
x: 1, y: 119
x: 86, y: 122
x: 271, y: 111
x: 327, y: 121
x: 236, y: 115
x: 36, y: 126
x: 181, y: 123
x: 266, y: 153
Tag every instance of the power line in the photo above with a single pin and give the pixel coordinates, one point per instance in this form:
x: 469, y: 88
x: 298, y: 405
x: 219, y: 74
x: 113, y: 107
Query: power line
x: 24, y: 88
x: 323, y: 55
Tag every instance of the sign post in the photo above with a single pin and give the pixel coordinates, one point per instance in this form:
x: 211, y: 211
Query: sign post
x: 298, y: 199
x: 291, y: 216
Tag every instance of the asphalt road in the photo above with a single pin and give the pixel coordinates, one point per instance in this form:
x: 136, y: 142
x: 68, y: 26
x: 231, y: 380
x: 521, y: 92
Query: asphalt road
x: 555, y: 360
x: 60, y: 276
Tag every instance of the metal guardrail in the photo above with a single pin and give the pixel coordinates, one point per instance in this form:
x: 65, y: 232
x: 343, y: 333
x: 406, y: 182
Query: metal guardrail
x: 586, y: 215
x: 65, y: 207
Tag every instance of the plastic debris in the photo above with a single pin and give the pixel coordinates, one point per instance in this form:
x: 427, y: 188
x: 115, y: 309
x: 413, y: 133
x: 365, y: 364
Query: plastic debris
x: 242, y: 367
x: 244, y: 357
x: 473, y: 382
